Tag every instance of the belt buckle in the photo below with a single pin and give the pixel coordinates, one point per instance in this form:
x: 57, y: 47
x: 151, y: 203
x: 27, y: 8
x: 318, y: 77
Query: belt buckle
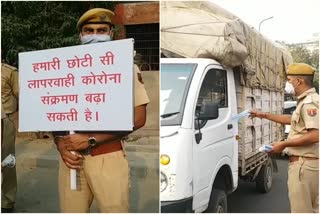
x: 86, y: 151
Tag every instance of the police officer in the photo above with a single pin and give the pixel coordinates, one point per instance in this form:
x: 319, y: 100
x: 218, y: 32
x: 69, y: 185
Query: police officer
x: 99, y: 158
x: 9, y: 100
x: 302, y: 145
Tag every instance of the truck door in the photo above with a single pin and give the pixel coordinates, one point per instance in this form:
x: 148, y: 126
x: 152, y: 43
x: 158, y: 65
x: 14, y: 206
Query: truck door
x: 213, y: 138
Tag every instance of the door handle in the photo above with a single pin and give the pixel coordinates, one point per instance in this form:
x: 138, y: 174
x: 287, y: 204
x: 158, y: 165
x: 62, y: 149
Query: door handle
x: 230, y: 126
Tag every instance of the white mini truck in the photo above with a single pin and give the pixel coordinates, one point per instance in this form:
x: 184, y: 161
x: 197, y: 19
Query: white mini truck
x: 203, y: 150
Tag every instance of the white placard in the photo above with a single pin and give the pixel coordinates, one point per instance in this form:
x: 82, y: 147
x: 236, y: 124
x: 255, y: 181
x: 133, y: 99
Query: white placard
x: 85, y: 87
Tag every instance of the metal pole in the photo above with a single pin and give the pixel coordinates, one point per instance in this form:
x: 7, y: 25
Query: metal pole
x: 271, y: 17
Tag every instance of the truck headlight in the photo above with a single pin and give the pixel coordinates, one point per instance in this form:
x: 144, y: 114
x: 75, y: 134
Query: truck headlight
x: 163, y: 181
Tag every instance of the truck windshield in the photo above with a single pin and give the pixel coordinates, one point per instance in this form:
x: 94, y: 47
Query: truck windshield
x: 175, y: 81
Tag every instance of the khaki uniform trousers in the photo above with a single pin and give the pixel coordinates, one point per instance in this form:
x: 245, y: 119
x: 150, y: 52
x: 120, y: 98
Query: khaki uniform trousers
x: 103, y: 177
x: 9, y: 177
x: 303, y: 186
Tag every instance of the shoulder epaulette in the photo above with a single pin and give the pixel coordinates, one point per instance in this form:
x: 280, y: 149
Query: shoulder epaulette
x: 8, y: 66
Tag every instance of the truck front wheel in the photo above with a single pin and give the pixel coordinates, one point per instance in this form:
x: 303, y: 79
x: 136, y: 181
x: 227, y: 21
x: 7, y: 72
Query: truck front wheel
x: 218, y: 202
x: 264, y: 178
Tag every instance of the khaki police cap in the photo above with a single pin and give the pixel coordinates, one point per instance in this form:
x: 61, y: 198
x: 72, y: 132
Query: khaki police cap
x: 95, y: 16
x: 300, y: 69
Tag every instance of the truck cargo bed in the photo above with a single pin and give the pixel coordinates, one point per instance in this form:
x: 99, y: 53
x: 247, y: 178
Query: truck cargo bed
x: 255, y: 132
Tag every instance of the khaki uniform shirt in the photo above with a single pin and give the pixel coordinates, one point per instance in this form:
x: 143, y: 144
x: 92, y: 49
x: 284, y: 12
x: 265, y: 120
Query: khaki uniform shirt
x: 306, y: 116
x: 140, y: 94
x: 3, y: 115
x: 9, y: 88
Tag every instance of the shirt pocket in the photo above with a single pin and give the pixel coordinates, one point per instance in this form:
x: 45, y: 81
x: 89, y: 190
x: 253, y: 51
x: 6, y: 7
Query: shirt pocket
x: 296, y: 122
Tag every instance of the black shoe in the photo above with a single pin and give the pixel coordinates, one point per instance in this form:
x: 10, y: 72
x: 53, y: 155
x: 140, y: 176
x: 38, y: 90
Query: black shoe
x: 7, y: 210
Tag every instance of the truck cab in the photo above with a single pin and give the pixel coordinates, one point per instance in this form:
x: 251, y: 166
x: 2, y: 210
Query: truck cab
x: 198, y: 138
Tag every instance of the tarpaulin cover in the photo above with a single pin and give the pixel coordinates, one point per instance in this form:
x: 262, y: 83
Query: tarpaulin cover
x: 197, y: 29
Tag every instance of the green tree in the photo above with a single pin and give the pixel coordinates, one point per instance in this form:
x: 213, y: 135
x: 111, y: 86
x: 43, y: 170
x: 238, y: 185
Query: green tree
x: 37, y: 25
x: 301, y: 54
x: 315, y: 64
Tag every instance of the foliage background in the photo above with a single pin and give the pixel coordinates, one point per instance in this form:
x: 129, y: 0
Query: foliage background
x: 302, y: 54
x: 37, y: 25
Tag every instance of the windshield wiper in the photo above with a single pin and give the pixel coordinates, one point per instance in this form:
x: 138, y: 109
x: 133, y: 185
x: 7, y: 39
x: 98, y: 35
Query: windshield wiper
x: 169, y: 114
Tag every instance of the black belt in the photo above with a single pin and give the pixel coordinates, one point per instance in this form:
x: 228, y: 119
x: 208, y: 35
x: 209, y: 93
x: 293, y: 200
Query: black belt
x: 294, y: 158
x: 63, y: 133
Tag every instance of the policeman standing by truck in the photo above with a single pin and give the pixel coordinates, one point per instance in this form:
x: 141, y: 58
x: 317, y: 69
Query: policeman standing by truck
x: 302, y: 145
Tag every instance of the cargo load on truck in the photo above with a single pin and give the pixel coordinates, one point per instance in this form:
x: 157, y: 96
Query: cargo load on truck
x: 208, y: 31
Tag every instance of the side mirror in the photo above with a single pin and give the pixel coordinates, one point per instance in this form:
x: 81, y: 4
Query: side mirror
x: 207, y: 111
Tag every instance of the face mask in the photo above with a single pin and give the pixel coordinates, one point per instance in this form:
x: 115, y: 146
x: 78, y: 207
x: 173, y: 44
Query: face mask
x: 95, y: 38
x: 289, y: 88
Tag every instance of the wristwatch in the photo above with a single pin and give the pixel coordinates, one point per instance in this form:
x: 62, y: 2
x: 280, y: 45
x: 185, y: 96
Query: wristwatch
x: 92, y: 141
